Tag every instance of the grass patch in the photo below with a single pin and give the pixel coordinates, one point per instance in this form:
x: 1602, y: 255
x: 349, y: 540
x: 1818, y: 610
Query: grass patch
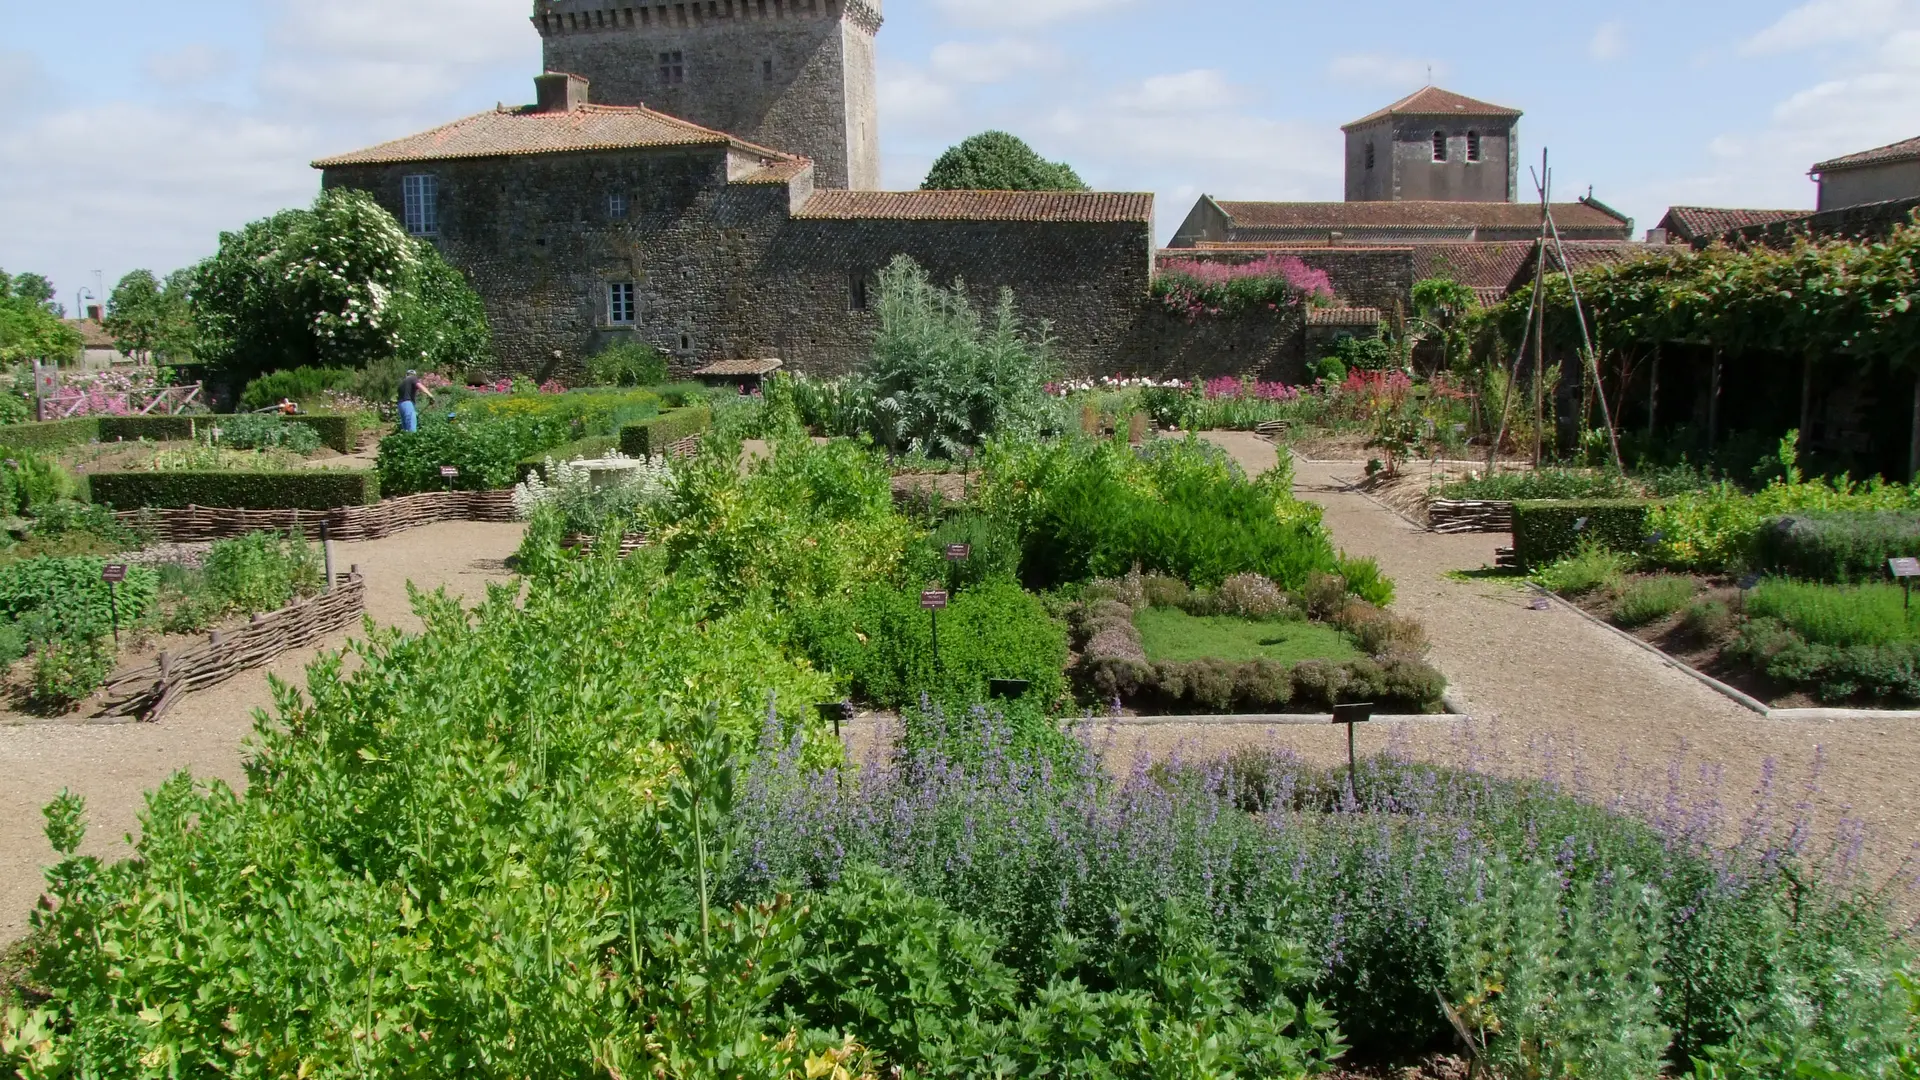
x: 1652, y: 599
x: 1835, y: 615
x: 1591, y: 569
x: 1175, y: 636
x: 1505, y: 574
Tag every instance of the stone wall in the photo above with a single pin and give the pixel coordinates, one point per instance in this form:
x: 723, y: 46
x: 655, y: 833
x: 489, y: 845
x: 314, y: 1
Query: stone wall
x: 792, y: 75
x: 726, y: 271
x: 1166, y: 345
x: 1377, y: 277
x: 1404, y: 169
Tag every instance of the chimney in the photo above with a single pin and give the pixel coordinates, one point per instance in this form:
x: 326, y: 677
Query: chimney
x: 1657, y: 236
x: 94, y: 312
x: 560, y: 92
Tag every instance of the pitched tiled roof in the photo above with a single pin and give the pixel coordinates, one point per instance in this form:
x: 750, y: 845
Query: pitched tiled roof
x: 1691, y: 223
x: 1482, y: 265
x: 92, y: 334
x: 1413, y: 215
x: 1434, y: 101
x: 513, y: 132
x: 1584, y: 255
x: 1050, y: 206
x: 736, y: 368
x: 1344, y: 316
x: 1905, y: 150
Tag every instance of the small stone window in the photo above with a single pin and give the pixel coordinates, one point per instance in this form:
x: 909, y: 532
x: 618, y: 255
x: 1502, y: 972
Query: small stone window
x: 621, y: 305
x: 1473, y: 146
x: 1439, y: 146
x: 617, y: 206
x: 766, y: 70
x: 857, y: 298
x: 420, y: 204
x: 686, y: 342
x: 1369, y: 155
x: 673, y: 68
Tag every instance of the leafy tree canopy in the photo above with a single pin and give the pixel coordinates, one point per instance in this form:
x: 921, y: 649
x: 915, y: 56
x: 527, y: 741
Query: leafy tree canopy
x: 340, y: 285
x: 30, y: 326
x: 997, y: 161
x: 147, y: 316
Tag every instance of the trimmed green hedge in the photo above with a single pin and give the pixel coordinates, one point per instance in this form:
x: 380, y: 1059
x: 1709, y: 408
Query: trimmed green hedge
x: 1546, y: 532
x: 338, y: 431
x: 52, y: 434
x: 597, y: 446
x: 1838, y: 547
x: 313, y: 490
x: 654, y: 436
x: 156, y: 428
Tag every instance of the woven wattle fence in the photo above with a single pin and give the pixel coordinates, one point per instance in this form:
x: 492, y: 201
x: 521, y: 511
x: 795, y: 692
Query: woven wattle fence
x: 1468, y: 516
x: 347, y: 524
x: 150, y: 691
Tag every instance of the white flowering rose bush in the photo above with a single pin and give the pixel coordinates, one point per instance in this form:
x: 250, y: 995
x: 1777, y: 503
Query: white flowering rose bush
x: 568, y: 489
x: 338, y: 285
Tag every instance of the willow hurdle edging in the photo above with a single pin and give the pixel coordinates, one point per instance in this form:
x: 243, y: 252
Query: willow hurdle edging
x: 1469, y: 516
x: 346, y: 525
x: 148, y: 692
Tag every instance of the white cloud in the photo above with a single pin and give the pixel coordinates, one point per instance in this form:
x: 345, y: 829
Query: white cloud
x: 993, y: 61
x: 1823, y: 22
x: 914, y: 98
x: 1379, y: 69
x: 1609, y: 42
x: 1186, y: 92
x: 189, y: 65
x: 1025, y: 13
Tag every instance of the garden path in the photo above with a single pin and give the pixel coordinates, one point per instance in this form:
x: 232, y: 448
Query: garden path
x: 115, y: 766
x: 1554, y: 694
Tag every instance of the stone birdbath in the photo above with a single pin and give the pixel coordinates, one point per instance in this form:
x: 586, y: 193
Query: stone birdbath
x: 609, y: 472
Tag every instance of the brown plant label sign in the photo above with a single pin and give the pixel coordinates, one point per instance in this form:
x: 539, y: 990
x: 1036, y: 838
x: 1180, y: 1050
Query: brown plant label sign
x: 934, y: 600
x: 959, y: 552
x: 114, y: 573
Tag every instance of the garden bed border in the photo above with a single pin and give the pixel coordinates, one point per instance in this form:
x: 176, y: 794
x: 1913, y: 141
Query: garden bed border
x: 346, y: 524
x: 147, y: 692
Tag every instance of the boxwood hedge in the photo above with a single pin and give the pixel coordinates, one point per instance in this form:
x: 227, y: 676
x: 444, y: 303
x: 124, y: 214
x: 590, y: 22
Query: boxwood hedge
x: 314, y: 490
x: 1546, y: 532
x: 51, y: 434
x: 1837, y: 547
x: 655, y: 436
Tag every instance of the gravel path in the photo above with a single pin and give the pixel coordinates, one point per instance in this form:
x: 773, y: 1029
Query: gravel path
x: 114, y: 767
x: 1552, y: 693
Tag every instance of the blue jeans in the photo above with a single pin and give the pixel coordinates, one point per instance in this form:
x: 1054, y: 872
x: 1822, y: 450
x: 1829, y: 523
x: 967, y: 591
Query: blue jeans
x: 409, y: 417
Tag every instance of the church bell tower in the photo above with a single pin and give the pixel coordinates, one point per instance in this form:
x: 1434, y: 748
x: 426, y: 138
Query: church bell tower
x: 791, y: 75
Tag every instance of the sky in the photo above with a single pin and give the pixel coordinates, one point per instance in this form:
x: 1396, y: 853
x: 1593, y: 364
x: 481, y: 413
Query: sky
x: 132, y: 138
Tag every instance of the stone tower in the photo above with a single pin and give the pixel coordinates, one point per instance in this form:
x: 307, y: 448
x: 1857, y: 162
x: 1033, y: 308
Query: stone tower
x: 792, y: 75
x: 1434, y: 145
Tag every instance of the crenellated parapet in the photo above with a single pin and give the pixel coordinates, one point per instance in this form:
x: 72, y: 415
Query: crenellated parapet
x: 557, y: 18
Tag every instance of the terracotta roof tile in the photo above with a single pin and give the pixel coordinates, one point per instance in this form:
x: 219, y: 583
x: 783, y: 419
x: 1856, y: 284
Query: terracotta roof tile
x: 776, y: 172
x: 1905, y: 150
x: 1344, y: 316
x: 1692, y: 223
x: 1413, y: 215
x: 736, y: 368
x: 1433, y: 101
x: 513, y: 132
x: 92, y: 334
x: 1483, y: 265
x: 1049, y: 206
x: 1584, y: 255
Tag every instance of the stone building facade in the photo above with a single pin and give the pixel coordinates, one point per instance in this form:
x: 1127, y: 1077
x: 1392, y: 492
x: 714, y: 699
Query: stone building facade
x: 1880, y: 175
x: 584, y: 225
x: 792, y: 74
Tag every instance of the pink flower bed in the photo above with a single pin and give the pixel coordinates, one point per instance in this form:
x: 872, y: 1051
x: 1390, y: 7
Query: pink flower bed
x: 1228, y: 387
x: 1301, y: 278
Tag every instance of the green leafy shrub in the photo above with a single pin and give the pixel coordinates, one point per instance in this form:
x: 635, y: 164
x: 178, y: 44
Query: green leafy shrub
x: 13, y: 644
x: 1709, y: 620
x: 262, y: 571
x: 1357, y: 353
x: 337, y: 431
x: 1591, y: 568
x: 1652, y: 599
x: 306, y: 384
x: 1541, y: 484
x: 1546, y: 532
x: 1837, y: 547
x: 487, y: 453
x: 29, y: 482
x: 1835, y: 674
x: 67, y: 670
x: 56, y: 599
x: 314, y: 489
x: 633, y: 363
x: 657, y: 436
x: 995, y: 553
x: 249, y: 431
x: 994, y: 630
x: 1835, y: 615
x: 943, y: 379
x: 591, y: 448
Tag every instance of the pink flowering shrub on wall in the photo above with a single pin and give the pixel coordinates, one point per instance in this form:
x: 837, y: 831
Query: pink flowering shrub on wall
x: 1199, y: 287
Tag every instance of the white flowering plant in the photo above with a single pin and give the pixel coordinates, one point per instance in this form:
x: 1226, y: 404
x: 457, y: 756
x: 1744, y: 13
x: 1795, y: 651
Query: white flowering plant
x: 618, y: 502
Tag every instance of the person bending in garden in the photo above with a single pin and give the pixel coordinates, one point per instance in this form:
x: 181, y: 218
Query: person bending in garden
x: 410, y: 389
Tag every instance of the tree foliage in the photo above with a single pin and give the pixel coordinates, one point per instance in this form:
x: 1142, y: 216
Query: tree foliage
x: 30, y: 325
x: 147, y: 316
x: 340, y: 285
x: 997, y: 161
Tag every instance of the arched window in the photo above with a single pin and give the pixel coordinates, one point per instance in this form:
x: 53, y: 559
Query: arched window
x: 1369, y: 155
x: 1439, y: 146
x: 1473, y: 146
